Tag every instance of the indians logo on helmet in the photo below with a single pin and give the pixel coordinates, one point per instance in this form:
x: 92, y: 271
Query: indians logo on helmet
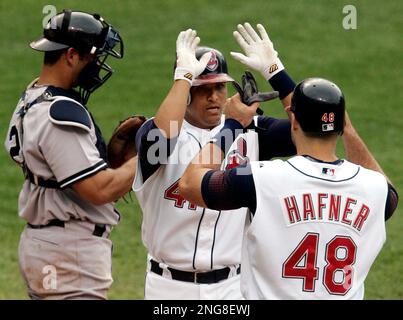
x: 213, y: 62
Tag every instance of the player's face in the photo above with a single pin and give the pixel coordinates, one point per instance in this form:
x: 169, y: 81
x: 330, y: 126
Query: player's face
x: 207, y: 105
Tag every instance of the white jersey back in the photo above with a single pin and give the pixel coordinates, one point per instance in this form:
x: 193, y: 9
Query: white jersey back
x: 317, y: 230
x: 178, y: 233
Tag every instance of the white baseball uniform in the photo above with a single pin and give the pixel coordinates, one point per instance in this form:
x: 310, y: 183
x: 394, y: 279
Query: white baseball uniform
x: 181, y: 236
x: 317, y: 230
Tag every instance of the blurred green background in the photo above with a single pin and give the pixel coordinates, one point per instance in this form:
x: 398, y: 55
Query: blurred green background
x: 309, y: 36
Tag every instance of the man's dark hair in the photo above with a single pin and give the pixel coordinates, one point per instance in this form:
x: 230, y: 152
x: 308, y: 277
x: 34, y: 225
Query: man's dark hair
x: 51, y: 57
x: 321, y: 135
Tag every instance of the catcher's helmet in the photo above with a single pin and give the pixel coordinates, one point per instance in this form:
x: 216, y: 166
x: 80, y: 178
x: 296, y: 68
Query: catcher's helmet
x: 319, y: 106
x: 216, y: 69
x: 87, y: 33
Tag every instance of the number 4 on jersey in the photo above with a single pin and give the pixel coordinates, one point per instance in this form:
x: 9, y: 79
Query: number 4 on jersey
x: 172, y: 193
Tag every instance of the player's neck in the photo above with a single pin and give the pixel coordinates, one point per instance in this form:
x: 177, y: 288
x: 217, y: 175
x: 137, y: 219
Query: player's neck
x: 198, y: 124
x: 325, y: 151
x: 54, y: 77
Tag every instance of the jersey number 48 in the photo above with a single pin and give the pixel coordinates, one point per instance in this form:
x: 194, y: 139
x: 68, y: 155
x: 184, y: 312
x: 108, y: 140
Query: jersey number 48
x: 307, y: 251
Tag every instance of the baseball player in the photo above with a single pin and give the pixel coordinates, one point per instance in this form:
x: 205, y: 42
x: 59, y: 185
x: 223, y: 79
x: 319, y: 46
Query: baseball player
x: 68, y: 194
x: 193, y: 252
x: 317, y: 222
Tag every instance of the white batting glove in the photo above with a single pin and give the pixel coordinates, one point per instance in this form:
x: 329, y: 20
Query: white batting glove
x: 259, y: 52
x: 187, y: 66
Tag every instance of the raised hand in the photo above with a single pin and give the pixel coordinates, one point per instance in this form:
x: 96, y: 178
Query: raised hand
x: 259, y: 51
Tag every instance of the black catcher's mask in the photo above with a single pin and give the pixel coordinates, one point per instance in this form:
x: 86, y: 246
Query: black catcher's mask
x: 87, y: 34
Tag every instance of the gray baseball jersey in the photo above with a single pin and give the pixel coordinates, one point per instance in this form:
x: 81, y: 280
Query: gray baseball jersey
x: 57, y: 141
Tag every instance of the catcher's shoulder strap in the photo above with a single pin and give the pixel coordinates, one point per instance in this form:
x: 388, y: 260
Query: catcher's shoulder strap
x: 68, y: 112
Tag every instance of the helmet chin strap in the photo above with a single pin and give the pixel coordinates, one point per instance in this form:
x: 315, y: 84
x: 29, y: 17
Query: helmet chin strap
x: 189, y: 99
